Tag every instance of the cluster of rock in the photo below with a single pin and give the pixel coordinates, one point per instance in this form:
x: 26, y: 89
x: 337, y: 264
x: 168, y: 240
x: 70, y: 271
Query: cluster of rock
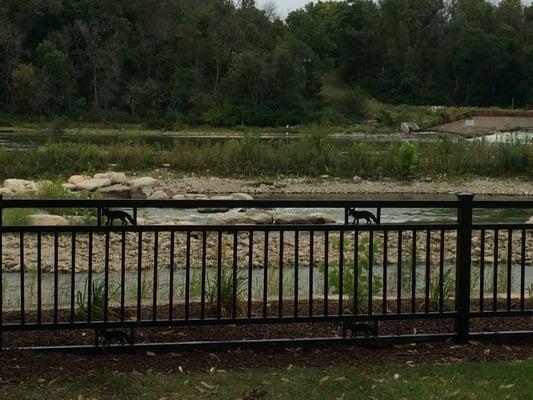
x: 116, y: 185
x: 14, y: 187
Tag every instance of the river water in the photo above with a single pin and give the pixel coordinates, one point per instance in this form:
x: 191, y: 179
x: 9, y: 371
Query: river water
x: 11, y: 285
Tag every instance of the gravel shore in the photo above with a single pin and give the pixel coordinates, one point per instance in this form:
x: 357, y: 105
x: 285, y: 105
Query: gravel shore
x: 327, y: 185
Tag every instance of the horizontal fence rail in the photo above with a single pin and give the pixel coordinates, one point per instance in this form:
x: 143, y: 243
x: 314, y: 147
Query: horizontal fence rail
x: 132, y: 286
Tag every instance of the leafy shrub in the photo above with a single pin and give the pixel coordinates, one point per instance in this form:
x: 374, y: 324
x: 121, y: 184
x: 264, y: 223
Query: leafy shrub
x: 386, y: 118
x: 406, y: 160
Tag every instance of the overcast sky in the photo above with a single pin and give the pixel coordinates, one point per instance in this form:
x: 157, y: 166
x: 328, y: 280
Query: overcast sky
x: 286, y: 6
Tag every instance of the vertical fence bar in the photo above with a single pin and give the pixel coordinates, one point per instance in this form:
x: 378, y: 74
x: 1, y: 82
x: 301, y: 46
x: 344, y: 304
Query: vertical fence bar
x: 296, y: 266
x: 1, y: 276
x: 250, y: 270
x: 441, y: 270
x: 155, y: 280
x: 482, y: 272
x: 265, y: 276
x: 234, y: 276
x: 56, y: 274
x: 370, y: 272
x: 341, y: 272
x: 281, y: 263
x: 413, y: 274
x: 464, y: 264
x: 385, y: 269
x: 326, y: 273
x: 399, y: 275
x: 428, y: 270
x: 356, y: 272
x: 203, y: 277
x: 106, y: 277
x: 39, y: 280
x: 139, y: 274
x: 219, y: 275
x: 311, y: 270
x: 22, y: 301
x: 495, y: 273
x: 509, y: 267
x: 122, y: 274
x: 171, y: 278
x: 89, y: 278
x: 523, y: 271
x: 73, y: 278
x: 187, y: 274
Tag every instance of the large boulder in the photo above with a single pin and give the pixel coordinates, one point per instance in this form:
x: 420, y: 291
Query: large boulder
x: 158, y: 195
x: 115, y: 192
x: 195, y: 196
x: 232, y: 218
x: 93, y: 184
x: 47, y: 220
x: 530, y: 221
x: 321, y: 218
x: 140, y: 192
x: 20, y: 186
x: 260, y: 217
x: 114, y: 177
x: 241, y: 196
x: 5, y: 192
x: 288, y: 218
x: 145, y: 181
x: 77, y: 179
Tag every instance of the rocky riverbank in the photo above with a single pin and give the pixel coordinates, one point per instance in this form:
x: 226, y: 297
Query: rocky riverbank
x: 122, y: 186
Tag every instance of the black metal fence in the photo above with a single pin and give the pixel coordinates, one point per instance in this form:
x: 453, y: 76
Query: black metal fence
x: 136, y: 286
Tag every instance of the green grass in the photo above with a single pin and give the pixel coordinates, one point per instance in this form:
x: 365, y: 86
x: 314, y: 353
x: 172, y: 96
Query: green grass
x: 314, y: 156
x: 508, y: 380
x: 17, y: 216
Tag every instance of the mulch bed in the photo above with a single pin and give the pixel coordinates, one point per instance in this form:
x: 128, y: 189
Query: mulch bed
x: 15, y: 366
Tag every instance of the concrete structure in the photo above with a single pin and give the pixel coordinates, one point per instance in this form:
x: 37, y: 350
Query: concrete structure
x: 487, y: 121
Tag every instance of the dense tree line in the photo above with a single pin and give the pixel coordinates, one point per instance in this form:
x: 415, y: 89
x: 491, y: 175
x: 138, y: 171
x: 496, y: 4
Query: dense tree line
x: 223, y: 62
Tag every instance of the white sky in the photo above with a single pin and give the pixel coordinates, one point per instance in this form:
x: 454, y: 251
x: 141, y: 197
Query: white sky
x: 286, y: 6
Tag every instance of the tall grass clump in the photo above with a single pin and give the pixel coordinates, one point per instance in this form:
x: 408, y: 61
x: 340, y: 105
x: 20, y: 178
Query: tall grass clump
x: 315, y: 155
x: 17, y: 216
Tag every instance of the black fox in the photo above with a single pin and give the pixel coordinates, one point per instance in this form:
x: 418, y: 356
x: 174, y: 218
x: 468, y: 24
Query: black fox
x: 119, y: 337
x: 359, y: 215
x: 114, y: 215
x: 356, y: 328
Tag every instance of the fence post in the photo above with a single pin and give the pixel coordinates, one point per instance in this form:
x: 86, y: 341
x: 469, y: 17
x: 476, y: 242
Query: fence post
x: 1, y: 276
x: 463, y: 267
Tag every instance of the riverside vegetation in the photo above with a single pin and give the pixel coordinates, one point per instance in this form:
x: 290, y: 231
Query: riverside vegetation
x: 314, y: 155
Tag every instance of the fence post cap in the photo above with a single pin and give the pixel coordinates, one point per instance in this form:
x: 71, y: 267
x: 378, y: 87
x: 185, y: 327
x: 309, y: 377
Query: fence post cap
x: 465, y: 196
